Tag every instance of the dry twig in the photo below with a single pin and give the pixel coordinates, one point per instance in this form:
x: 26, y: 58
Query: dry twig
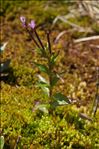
x: 86, y: 39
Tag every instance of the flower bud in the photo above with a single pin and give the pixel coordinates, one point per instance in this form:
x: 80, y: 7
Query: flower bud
x: 23, y: 20
x: 32, y: 24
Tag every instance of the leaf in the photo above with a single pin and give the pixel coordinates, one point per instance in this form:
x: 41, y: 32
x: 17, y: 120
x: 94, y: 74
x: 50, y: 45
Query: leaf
x: 2, y: 48
x: 4, y: 66
x: 46, y: 90
x: 44, y: 87
x: 42, y: 68
x: 43, y: 84
x: 1, y: 142
x: 39, y: 50
x: 42, y: 79
x: 58, y: 76
x: 60, y: 99
x: 42, y: 52
x: 42, y: 107
x: 54, y: 57
x: 55, y: 79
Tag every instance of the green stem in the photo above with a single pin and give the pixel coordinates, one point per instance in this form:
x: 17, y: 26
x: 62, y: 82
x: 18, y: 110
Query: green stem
x: 49, y: 63
x: 50, y: 76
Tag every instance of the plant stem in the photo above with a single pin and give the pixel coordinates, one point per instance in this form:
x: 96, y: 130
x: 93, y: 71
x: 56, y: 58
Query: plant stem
x: 42, y: 46
x: 32, y: 37
x: 50, y: 76
x: 49, y: 63
x: 50, y: 80
x: 49, y: 44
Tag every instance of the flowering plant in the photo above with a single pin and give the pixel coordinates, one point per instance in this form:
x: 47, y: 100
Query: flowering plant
x: 48, y: 69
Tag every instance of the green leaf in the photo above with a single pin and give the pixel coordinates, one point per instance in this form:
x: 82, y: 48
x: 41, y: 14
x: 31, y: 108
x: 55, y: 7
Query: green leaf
x: 39, y: 50
x: 53, y: 58
x: 2, y: 48
x: 45, y: 90
x: 1, y: 142
x: 42, y: 52
x: 43, y: 84
x: 42, y: 68
x: 55, y: 79
x: 42, y: 107
x: 42, y: 79
x: 60, y: 99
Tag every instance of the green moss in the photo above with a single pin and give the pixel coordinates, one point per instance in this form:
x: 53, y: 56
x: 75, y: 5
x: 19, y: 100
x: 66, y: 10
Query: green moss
x: 62, y: 127
x: 95, y: 27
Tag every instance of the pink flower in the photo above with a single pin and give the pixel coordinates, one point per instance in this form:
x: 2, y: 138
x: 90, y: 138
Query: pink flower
x: 32, y: 24
x: 23, y: 20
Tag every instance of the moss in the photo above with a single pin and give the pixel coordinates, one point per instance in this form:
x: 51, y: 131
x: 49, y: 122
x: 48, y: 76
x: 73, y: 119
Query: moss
x: 95, y: 27
x: 62, y: 127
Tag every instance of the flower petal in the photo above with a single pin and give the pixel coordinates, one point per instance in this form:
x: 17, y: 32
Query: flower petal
x: 32, y: 24
x: 23, y: 20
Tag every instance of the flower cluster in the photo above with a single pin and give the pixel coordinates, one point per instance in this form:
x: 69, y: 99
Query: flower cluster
x: 31, y: 29
x: 24, y: 23
x: 33, y: 34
